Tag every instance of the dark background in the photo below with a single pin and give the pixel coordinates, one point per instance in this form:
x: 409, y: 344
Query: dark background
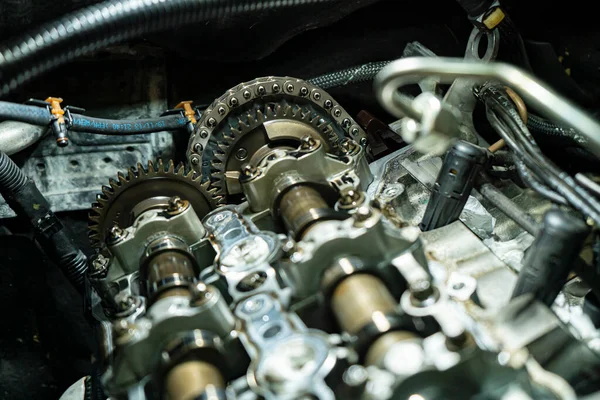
x: 46, y: 343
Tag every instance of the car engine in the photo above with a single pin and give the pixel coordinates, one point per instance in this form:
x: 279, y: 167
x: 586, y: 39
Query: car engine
x: 273, y: 243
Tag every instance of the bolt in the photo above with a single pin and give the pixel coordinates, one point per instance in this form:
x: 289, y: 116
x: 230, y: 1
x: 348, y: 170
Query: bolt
x: 198, y: 148
x: 346, y: 123
x: 362, y: 214
x: 249, y: 171
x: 337, y: 112
x: 328, y: 104
x: 350, y: 198
x: 116, y: 234
x: 176, y: 204
x: 233, y: 102
x: 356, y: 375
x: 288, y: 247
x: 354, y: 131
x: 275, y: 88
x: 241, y: 154
x: 303, y: 90
x: 317, y: 96
x: 247, y: 94
x: 348, y: 146
x: 99, y: 264
x: 221, y: 110
x: 252, y: 281
x: 290, y: 87
x: 203, y: 134
x: 261, y: 90
x: 195, y: 160
x: 212, y: 122
x: 252, y: 306
x: 421, y: 290
x: 308, y: 142
x: 200, y: 293
x: 124, y: 301
x: 363, y: 141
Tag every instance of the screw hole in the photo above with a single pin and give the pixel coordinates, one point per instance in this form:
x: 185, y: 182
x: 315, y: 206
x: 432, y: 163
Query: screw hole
x: 453, y: 171
x: 74, y: 163
x: 272, y: 331
x: 107, y: 160
x: 41, y: 166
x: 130, y: 149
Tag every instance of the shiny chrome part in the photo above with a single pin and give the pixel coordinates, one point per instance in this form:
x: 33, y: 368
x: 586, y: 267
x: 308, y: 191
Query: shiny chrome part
x: 549, y: 103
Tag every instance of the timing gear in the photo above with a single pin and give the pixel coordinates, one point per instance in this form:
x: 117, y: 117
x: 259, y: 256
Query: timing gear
x: 142, y: 189
x: 248, y: 121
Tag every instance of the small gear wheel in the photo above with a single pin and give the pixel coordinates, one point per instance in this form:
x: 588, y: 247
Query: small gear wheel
x: 141, y: 189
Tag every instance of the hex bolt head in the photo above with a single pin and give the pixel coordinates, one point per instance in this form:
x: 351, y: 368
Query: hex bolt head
x: 116, y: 234
x: 303, y: 91
x: 176, y: 204
x: 422, y: 289
x: 221, y: 110
x: 198, y: 148
x: 212, y: 122
x: 233, y: 102
x: 317, y: 96
x: 308, y: 142
x: 362, y: 213
x: 290, y: 87
x: 249, y: 171
x: 275, y: 88
x: 328, y: 104
x: 203, y: 134
x: 99, y: 264
x: 195, y: 160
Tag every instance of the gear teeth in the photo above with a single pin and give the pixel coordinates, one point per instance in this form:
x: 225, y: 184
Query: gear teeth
x: 160, y: 169
x: 260, y: 117
x: 270, y: 112
x: 170, y: 167
x: 107, y: 190
x: 287, y: 110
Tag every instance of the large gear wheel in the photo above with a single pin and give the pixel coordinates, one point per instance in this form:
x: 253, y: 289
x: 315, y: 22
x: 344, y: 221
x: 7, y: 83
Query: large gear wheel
x: 249, y: 120
x: 144, y: 188
x: 251, y: 135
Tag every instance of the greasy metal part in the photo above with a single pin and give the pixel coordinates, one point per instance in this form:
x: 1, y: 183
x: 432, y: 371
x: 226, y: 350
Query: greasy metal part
x: 190, y: 379
x: 381, y: 346
x: 142, y: 189
x: 168, y: 273
x: 16, y: 136
x: 460, y: 94
x: 248, y: 106
x: 141, y: 337
x: 302, y: 206
x: 361, y: 299
x: 149, y: 233
x: 289, y: 360
x: 244, y: 254
x: 410, y: 70
x: 283, y: 169
x: 365, y: 235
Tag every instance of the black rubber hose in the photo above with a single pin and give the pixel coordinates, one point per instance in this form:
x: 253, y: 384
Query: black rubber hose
x: 28, y: 203
x: 532, y: 181
x: 359, y: 73
x: 548, y: 128
x: 83, y: 123
x: 19, y: 112
x: 508, y: 207
x: 112, y: 22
